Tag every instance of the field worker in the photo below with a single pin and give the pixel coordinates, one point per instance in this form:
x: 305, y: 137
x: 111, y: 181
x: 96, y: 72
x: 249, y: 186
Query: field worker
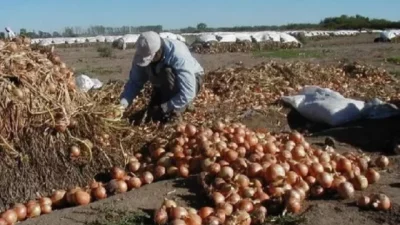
x: 175, y: 75
x: 10, y: 33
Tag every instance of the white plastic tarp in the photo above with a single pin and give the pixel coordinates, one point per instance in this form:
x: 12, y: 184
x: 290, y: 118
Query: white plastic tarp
x: 243, y: 37
x: 100, y: 38
x: 326, y: 106
x: 168, y: 35
x: 206, y: 38
x: 287, y: 38
x: 181, y: 38
x: 226, y: 38
x: 388, y: 35
x: 130, y: 38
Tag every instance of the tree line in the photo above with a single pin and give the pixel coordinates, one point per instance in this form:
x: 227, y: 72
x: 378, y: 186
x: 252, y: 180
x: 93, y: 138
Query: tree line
x: 344, y: 22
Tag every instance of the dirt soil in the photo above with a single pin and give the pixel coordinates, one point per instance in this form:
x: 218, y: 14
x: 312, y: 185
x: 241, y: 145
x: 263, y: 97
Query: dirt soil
x: 373, y: 137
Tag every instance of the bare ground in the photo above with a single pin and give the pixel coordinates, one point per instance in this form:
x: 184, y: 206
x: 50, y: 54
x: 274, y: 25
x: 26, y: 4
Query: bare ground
x: 370, y: 136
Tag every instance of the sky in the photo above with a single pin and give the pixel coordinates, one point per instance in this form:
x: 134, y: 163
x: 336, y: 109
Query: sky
x: 54, y: 15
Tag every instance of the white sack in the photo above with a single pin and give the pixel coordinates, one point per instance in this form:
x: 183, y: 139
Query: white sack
x: 325, y: 106
x: 85, y: 83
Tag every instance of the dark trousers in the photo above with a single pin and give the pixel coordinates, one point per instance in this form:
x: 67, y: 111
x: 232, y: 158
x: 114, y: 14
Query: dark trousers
x: 164, y: 91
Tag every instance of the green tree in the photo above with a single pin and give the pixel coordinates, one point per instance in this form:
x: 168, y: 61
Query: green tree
x: 201, y: 26
x: 22, y: 31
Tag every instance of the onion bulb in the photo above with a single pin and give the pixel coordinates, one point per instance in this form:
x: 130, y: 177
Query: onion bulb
x: 117, y: 173
x: 364, y: 201
x: 82, y: 197
x: 274, y: 173
x: 134, y: 183
x: 346, y: 190
x: 99, y: 193
x: 161, y: 216
x: 21, y: 211
x: 381, y: 202
x: 75, y: 151
x: 205, y: 212
x: 372, y: 176
x: 382, y: 162
x: 3, y: 221
x: 193, y: 219
x: 226, y: 172
x: 117, y: 186
x: 10, y: 216
x: 147, y: 178
x: 169, y: 203
x: 293, y: 206
x: 325, y: 179
x: 360, y: 182
x: 33, y: 210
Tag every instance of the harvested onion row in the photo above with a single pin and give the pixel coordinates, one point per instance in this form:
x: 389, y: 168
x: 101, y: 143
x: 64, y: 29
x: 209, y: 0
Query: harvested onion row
x: 244, y: 173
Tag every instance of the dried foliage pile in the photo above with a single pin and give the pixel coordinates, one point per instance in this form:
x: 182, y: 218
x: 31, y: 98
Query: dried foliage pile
x: 216, y: 47
x: 43, y: 115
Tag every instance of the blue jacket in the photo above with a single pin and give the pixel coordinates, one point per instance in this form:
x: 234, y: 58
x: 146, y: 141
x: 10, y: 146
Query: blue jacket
x: 177, y: 56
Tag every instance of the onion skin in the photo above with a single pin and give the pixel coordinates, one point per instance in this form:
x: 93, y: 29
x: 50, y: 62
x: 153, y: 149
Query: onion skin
x: 346, y: 190
x: 10, y: 216
x: 161, y: 216
x: 82, y: 198
x: 363, y: 202
x: 21, y: 211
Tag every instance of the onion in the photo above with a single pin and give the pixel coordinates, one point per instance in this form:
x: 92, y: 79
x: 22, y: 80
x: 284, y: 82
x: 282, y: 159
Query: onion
x: 205, y: 212
x: 82, y: 197
x: 344, y: 165
x: 70, y: 195
x: 372, y: 176
x: 317, y: 191
x: 3, y: 221
x: 346, y: 190
x: 245, y: 205
x: 381, y: 202
x: 226, y: 207
x: 117, y: 186
x: 233, y: 198
x: 226, y: 172
x: 214, y: 168
x: 58, y: 198
x: 285, y: 155
x: 33, y: 210
x: 296, y: 137
x: 363, y: 201
x: 172, y: 171
x: 302, y: 184
x: 382, y: 162
x: 134, y: 183
x: 247, y: 192
x: 178, y: 222
x: 360, y: 182
x: 147, y: 177
x: 117, y: 173
x: 211, y: 220
x: 177, y: 213
x: 193, y: 219
x: 169, y: 203
x: 218, y: 198
x: 161, y: 216
x: 310, y: 180
x: 159, y: 172
x: 75, y: 151
x: 301, y: 169
x: 292, y: 195
x: 45, y: 201
x: 362, y: 164
x: 337, y: 179
x: 242, y: 180
x: 324, y: 157
x: 99, y: 193
x: 325, y: 179
x: 253, y: 169
x: 274, y: 173
x: 298, y: 152
x: 21, y: 211
x: 293, y: 207
x: 190, y: 130
x: 10, y: 216
x: 291, y: 177
x: 259, y: 215
x: 261, y: 195
x: 242, y: 218
x: 133, y: 166
x: 183, y: 171
x: 45, y: 209
x: 315, y: 169
x: 276, y: 191
x: 220, y: 214
x: 231, y: 156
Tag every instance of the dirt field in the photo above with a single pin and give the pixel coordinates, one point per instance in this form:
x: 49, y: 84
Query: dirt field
x: 373, y: 137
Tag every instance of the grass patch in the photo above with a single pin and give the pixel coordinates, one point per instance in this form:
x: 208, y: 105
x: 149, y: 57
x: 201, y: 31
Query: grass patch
x: 394, y: 60
x: 105, y: 51
x: 290, y: 53
x: 123, y: 218
x: 99, y: 70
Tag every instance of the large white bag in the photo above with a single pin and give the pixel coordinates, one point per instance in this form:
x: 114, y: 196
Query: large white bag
x: 85, y: 83
x: 325, y: 106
